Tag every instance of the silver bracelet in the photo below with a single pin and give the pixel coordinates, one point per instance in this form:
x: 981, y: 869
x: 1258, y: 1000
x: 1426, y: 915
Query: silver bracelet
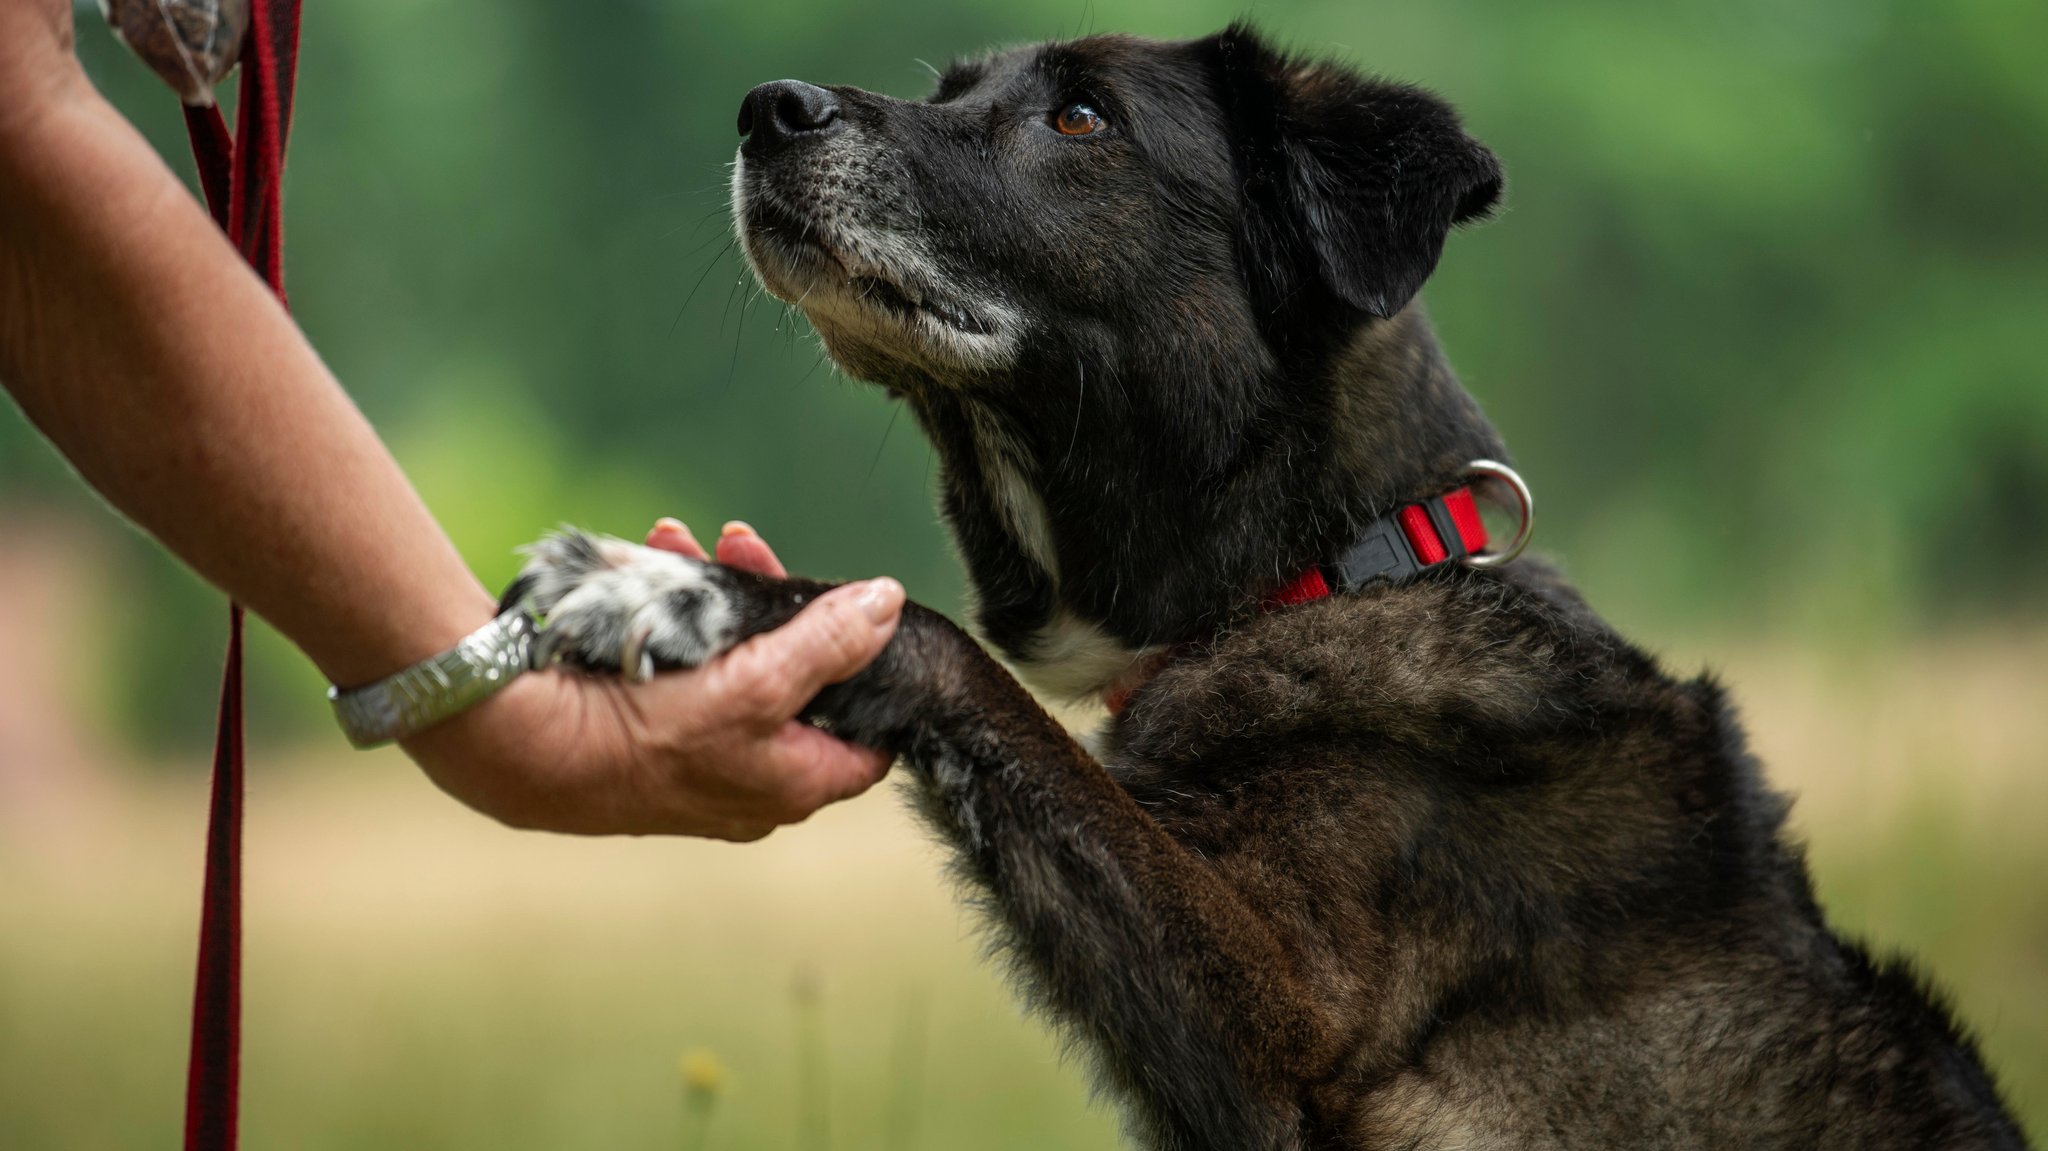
x: 438, y: 687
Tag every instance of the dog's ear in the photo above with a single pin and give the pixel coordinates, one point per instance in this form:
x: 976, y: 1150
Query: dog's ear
x: 1351, y: 180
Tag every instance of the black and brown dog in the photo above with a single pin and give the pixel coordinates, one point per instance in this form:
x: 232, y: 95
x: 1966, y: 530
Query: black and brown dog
x: 1436, y: 861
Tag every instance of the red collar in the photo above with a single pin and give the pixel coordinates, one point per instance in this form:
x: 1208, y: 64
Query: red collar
x: 1394, y: 548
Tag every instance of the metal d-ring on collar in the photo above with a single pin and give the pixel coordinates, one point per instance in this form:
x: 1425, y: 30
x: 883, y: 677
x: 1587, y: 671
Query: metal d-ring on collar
x: 1420, y: 536
x: 1525, y: 506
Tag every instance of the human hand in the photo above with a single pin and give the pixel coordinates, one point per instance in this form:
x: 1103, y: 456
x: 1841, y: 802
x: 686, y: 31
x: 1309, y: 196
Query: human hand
x: 715, y: 751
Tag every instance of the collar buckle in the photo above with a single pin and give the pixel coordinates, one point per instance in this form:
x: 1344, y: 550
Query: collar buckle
x: 1383, y: 553
x: 1441, y: 529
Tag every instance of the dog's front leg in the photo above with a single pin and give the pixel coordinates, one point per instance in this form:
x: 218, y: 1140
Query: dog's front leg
x: 1128, y: 939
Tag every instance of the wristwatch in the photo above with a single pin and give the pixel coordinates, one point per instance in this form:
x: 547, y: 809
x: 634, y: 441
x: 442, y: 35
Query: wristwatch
x: 439, y: 686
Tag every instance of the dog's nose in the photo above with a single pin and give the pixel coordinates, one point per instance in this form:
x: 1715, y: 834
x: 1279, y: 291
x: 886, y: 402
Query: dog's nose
x: 777, y: 113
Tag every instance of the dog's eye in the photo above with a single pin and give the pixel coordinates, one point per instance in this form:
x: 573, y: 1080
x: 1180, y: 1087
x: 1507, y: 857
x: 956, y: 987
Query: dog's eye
x: 1079, y: 119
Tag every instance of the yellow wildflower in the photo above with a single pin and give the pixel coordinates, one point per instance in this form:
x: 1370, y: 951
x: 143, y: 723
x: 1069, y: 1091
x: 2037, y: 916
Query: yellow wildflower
x: 703, y: 1075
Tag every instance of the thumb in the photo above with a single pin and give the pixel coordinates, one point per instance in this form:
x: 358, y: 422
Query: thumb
x: 831, y: 640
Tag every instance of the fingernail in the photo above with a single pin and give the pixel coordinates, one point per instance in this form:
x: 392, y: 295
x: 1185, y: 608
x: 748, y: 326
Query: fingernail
x: 675, y: 527
x: 879, y: 598
x: 736, y: 528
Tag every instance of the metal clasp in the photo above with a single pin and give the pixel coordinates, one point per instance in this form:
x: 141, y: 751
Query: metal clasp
x: 1525, y: 508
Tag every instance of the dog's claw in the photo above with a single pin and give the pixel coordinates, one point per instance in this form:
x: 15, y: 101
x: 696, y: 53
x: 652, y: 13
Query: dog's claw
x: 547, y: 649
x: 636, y: 664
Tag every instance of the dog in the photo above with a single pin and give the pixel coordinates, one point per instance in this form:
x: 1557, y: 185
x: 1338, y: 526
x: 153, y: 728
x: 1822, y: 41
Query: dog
x: 1378, y: 849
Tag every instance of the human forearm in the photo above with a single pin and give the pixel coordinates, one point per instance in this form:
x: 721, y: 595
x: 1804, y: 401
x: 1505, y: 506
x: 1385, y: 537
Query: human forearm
x: 137, y: 340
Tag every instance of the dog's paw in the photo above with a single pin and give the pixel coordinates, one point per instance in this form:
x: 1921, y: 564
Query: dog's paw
x: 609, y: 605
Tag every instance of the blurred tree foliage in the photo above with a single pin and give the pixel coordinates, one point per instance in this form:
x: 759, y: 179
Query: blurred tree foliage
x: 1763, y: 317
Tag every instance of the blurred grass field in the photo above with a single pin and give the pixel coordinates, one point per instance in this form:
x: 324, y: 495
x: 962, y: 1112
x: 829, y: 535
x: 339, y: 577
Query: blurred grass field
x: 418, y: 977
x: 1761, y: 319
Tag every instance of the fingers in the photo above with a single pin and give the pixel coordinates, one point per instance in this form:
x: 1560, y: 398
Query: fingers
x: 671, y: 535
x: 775, y: 673
x: 588, y: 756
x: 774, y: 769
x: 817, y: 769
x: 740, y: 547
x: 743, y: 781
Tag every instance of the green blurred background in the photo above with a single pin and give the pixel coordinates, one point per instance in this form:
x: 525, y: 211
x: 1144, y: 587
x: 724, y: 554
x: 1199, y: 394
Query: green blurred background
x: 1763, y: 321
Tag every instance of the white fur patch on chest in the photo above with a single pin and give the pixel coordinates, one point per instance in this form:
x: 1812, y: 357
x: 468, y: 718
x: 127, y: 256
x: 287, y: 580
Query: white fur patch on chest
x: 1068, y: 659
x: 1072, y: 659
x: 1019, y: 505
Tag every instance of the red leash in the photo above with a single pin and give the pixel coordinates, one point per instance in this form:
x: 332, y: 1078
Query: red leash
x: 243, y: 180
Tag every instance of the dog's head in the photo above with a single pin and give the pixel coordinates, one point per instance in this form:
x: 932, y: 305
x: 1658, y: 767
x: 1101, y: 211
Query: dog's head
x: 1114, y: 274
x: 1203, y: 194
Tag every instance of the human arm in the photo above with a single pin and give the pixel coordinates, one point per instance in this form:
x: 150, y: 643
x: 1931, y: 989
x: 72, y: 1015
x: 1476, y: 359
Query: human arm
x: 137, y: 340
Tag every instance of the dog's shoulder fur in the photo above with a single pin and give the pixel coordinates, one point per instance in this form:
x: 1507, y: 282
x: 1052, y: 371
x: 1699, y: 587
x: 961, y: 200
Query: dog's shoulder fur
x: 1581, y: 895
x: 1443, y: 863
